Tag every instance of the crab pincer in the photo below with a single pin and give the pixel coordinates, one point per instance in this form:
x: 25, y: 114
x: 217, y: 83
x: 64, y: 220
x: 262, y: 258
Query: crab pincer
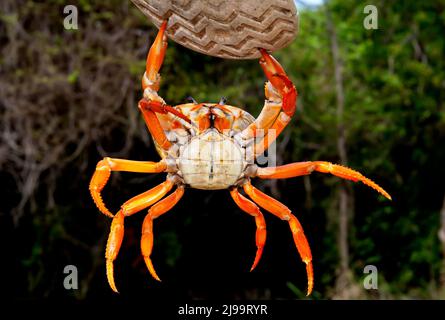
x: 155, y: 58
x: 280, y: 81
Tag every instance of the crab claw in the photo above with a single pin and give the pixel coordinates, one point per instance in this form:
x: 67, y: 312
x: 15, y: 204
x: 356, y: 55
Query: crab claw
x: 280, y: 81
x: 272, y: 67
x: 155, y: 59
x: 157, y: 52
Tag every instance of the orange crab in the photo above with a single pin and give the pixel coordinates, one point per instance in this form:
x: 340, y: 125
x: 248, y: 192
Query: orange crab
x: 211, y: 146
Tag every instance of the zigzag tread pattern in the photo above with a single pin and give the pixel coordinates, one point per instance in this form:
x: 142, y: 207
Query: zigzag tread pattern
x: 230, y: 29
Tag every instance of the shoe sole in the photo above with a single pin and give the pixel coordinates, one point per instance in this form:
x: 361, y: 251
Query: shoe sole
x: 230, y: 29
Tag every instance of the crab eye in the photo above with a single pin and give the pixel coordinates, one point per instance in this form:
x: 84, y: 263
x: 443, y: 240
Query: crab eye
x: 190, y: 99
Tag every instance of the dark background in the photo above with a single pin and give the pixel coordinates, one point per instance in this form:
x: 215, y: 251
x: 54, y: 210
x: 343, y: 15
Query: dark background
x: 69, y: 97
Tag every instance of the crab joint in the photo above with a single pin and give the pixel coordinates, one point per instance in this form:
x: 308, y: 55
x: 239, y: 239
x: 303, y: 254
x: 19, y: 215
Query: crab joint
x: 172, y: 166
x: 251, y: 170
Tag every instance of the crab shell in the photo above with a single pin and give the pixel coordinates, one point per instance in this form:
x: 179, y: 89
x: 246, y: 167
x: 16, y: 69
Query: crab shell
x: 203, y: 155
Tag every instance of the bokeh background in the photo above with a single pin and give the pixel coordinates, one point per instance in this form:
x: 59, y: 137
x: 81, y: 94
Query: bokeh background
x: 371, y: 99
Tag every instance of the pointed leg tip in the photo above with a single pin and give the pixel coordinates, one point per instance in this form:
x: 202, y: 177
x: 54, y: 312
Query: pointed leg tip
x: 114, y: 289
x: 385, y: 194
x: 310, y: 287
x: 310, y: 277
x: 154, y: 275
x: 151, y: 269
x: 110, y: 276
x: 112, y: 284
x: 257, y: 258
x: 255, y: 263
x: 109, y: 214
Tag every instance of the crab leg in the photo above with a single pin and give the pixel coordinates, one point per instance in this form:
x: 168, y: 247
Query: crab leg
x: 252, y: 209
x: 280, y: 210
x: 160, y: 107
x: 304, y: 168
x: 154, y: 126
x: 149, y: 110
x: 103, y: 172
x: 281, y: 97
x: 158, y: 209
x: 152, y: 103
x: 130, y: 207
